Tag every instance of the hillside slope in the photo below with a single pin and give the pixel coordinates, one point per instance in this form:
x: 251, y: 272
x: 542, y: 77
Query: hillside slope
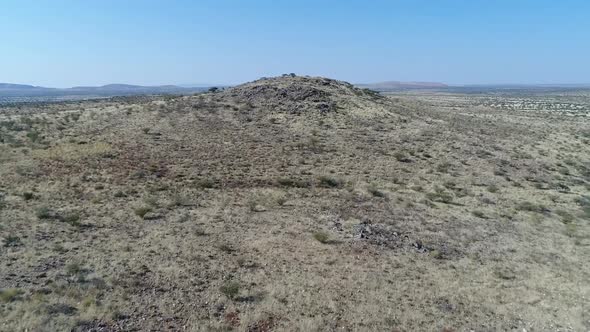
x: 260, y: 208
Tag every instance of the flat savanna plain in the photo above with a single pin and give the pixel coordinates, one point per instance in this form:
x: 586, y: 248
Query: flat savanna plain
x: 297, y: 204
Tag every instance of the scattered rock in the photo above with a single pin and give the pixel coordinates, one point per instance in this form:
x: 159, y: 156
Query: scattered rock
x: 258, y: 208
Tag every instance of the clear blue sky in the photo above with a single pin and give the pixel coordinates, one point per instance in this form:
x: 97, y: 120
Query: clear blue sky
x: 65, y: 43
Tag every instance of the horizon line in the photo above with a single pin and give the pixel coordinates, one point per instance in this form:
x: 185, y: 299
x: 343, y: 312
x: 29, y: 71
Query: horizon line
x: 202, y: 85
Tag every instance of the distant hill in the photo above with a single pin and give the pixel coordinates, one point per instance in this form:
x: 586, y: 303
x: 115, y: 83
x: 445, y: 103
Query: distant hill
x: 20, y: 92
x: 397, y: 85
x: 9, y: 86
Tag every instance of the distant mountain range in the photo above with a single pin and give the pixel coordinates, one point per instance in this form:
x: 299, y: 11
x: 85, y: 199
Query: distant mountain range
x: 392, y: 86
x: 25, y: 93
x: 396, y: 85
x: 22, y: 90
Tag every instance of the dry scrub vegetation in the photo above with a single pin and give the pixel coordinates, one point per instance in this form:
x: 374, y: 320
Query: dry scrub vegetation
x: 293, y: 204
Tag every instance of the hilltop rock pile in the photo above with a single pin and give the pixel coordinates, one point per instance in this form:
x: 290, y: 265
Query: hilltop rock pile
x: 297, y: 95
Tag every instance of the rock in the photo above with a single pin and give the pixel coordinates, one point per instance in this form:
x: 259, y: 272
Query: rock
x: 259, y: 208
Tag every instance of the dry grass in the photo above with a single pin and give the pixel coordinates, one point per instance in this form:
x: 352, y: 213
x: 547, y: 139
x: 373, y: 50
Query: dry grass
x: 459, y: 216
x: 69, y: 151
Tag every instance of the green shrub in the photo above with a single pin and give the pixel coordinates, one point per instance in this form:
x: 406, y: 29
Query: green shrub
x: 226, y: 248
x: 322, y: 237
x: 71, y: 218
x: 12, y: 241
x: 493, y: 188
x: 566, y: 217
x: 73, y: 269
x: 44, y: 213
x: 230, y: 289
x: 440, y: 195
x: 120, y: 194
x: 205, y: 183
x: 531, y: 207
x: 142, y: 211
x: 10, y: 294
x: 27, y: 196
x: 330, y: 182
x: 479, y: 214
x: 76, y: 271
x: 33, y: 136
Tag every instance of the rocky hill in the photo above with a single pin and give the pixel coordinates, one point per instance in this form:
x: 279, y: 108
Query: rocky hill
x: 298, y: 94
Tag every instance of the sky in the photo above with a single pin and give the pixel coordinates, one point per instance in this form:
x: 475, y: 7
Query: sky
x: 60, y: 43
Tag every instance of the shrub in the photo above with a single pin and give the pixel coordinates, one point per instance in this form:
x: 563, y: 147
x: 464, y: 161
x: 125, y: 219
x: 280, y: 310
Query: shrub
x: 571, y: 230
x: 254, y: 205
x: 61, y: 308
x: 322, y: 237
x: 531, y: 207
x: 230, y: 289
x: 226, y: 248
x: 295, y: 183
x: 281, y: 200
x: 73, y: 269
x: 180, y: 199
x: 450, y: 185
x: 33, y: 136
x: 12, y: 241
x: 436, y: 254
x: 500, y: 172
x: 402, y: 156
x: 75, y: 116
x: 443, y: 167
x: 583, y: 200
x: 120, y: 194
x: 77, y: 272
x: 71, y: 218
x: 440, y: 195
x: 479, y: 214
x: 330, y: 182
x: 10, y: 294
x: 151, y: 201
x: 566, y: 217
x: 205, y: 183
x: 44, y: 213
x: 493, y: 188
x: 373, y: 190
x: 370, y: 92
x: 142, y: 211
x: 27, y: 196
